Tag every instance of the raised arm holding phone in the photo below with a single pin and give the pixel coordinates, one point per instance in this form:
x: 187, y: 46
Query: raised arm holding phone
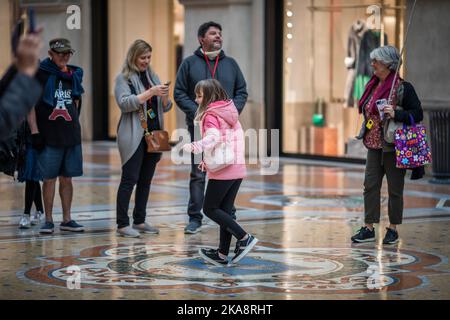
x: 14, y: 104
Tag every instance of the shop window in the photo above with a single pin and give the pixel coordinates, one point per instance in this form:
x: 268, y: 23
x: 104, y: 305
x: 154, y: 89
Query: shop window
x: 325, y: 67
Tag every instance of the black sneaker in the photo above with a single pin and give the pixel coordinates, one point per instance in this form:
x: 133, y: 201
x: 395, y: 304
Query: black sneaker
x: 243, y: 247
x: 212, y: 256
x: 391, y: 236
x: 364, y: 235
x: 71, y: 226
x: 47, y: 227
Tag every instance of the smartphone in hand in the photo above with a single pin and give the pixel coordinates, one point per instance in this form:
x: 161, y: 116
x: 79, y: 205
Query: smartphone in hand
x: 25, y: 25
x: 380, y: 105
x: 31, y: 21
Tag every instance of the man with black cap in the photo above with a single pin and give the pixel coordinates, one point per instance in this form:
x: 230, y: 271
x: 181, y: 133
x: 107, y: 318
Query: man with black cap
x: 56, y: 130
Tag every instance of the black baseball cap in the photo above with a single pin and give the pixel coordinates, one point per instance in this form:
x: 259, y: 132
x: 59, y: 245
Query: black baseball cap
x: 61, y: 45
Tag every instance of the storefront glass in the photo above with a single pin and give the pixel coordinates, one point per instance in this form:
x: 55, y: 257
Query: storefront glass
x: 326, y: 65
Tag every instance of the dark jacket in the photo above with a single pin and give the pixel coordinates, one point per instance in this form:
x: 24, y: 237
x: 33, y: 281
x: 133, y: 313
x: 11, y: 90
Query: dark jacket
x: 9, y: 151
x: 194, y: 69
x: 19, y: 94
x: 410, y: 105
x: 7, y: 78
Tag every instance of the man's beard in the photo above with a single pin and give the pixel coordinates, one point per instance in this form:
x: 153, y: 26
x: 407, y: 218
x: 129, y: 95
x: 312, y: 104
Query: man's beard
x: 214, y: 47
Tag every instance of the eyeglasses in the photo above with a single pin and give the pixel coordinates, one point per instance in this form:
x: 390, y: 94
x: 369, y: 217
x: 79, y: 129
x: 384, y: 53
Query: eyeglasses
x: 64, y: 54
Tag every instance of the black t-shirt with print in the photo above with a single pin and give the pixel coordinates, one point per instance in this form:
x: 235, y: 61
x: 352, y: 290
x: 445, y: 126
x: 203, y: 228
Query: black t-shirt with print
x: 152, y: 106
x: 59, y: 123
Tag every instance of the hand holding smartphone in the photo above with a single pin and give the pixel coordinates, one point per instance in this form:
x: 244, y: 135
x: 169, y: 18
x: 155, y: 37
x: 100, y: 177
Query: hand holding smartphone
x: 27, y: 44
x: 166, y: 84
x: 26, y: 25
x: 380, y: 106
x: 30, y: 25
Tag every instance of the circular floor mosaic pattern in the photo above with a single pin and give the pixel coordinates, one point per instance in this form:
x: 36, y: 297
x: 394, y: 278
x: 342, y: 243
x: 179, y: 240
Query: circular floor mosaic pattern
x: 269, y: 268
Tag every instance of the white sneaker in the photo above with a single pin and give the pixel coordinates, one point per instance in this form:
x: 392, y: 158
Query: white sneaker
x: 25, y: 222
x: 146, y: 228
x: 128, y: 232
x: 36, y: 217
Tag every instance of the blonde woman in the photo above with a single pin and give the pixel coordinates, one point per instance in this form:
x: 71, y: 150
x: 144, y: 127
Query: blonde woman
x: 139, y: 93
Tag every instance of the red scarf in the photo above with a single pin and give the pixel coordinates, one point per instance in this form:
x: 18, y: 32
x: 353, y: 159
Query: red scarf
x: 381, y: 93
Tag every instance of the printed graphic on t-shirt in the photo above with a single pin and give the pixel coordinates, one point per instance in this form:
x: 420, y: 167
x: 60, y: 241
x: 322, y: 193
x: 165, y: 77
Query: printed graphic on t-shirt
x: 63, y: 99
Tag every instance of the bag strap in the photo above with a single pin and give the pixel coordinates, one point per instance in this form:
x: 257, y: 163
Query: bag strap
x: 132, y: 88
x: 142, y: 119
x: 411, y: 119
x: 400, y: 94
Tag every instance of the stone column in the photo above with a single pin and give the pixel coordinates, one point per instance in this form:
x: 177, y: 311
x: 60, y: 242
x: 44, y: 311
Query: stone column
x: 85, y: 49
x: 149, y: 20
x: 427, y: 50
x: 5, y: 35
x: 427, y: 61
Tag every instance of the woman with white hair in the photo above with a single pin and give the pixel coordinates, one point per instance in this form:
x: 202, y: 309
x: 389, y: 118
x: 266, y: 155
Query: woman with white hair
x: 139, y: 94
x: 381, y: 158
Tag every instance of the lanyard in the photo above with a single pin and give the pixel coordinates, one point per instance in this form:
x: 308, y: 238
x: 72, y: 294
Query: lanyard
x: 213, y: 72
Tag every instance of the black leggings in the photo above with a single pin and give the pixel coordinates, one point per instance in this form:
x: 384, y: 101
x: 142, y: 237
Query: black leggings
x: 33, y: 194
x: 218, y: 205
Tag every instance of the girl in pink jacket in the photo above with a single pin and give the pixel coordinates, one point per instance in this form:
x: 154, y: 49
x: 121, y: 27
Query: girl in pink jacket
x: 224, y: 160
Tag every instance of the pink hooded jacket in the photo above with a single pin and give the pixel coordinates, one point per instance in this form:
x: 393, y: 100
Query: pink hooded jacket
x: 222, y: 117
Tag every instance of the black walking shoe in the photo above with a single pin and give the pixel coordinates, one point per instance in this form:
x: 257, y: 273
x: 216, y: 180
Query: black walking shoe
x: 193, y: 227
x: 47, y: 227
x: 212, y: 256
x: 71, y: 226
x: 391, y: 236
x: 364, y: 235
x: 243, y: 247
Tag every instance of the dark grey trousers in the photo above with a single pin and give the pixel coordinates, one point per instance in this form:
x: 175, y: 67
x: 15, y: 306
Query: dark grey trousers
x: 377, y: 165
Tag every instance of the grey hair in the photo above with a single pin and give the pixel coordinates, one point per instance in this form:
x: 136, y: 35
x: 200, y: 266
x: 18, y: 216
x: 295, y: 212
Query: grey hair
x: 387, y: 55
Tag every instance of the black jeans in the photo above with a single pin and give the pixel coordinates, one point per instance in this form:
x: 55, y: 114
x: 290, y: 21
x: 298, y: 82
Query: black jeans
x: 138, y: 171
x: 218, y: 206
x: 197, y: 187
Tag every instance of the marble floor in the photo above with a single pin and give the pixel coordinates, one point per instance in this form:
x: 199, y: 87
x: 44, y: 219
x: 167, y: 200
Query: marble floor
x: 304, y: 217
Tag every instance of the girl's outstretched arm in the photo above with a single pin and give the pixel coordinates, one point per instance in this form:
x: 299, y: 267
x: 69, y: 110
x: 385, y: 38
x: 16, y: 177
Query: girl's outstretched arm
x: 211, y: 138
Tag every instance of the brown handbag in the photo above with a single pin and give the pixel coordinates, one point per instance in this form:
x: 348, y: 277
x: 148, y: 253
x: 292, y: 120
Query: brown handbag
x: 157, y: 140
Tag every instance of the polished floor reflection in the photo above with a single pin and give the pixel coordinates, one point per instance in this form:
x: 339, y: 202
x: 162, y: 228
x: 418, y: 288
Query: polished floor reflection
x: 304, y: 218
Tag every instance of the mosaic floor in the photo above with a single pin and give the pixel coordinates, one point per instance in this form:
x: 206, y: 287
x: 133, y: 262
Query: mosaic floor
x: 304, y: 217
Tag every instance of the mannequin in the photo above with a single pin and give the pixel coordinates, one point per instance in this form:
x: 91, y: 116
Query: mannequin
x: 356, y: 32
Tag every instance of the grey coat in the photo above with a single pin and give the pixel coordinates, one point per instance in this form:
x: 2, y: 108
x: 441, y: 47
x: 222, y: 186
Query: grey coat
x: 129, y: 130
